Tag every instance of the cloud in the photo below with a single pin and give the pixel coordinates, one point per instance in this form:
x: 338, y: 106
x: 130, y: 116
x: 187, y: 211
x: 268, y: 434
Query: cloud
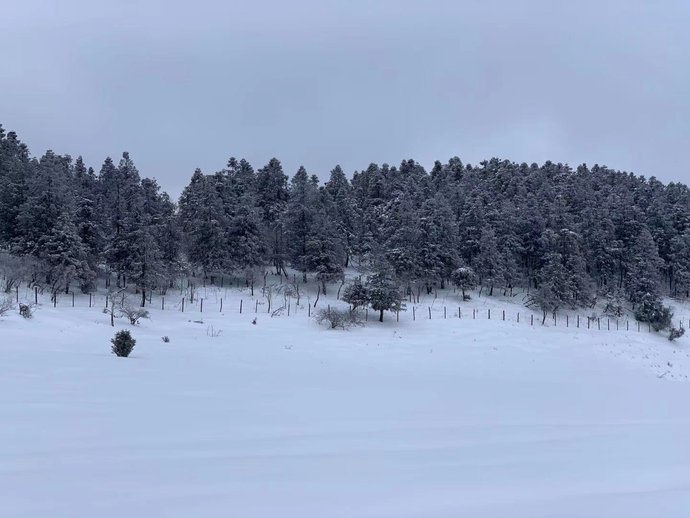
x: 183, y: 85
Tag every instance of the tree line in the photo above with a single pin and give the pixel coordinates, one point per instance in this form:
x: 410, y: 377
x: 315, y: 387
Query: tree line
x: 568, y: 236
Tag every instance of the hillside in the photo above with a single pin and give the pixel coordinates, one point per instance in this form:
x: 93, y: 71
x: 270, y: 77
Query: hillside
x: 428, y: 418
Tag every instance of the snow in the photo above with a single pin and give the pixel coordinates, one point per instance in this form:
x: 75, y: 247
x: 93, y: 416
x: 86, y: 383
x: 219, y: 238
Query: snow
x: 427, y: 418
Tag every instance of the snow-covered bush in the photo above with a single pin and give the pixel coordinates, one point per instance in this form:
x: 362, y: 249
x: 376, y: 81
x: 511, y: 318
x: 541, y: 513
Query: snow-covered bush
x: 166, y: 339
x: 650, y: 309
x: 613, y: 305
x: 123, y: 343
x: 676, y: 333
x: 130, y: 310
x: 356, y: 294
x: 6, y: 305
x: 25, y: 311
x: 465, y: 279
x: 338, y: 318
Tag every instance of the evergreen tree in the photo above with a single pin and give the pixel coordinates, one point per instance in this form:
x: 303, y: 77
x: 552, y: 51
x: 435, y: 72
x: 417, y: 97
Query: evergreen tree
x: 271, y: 199
x: 384, y: 293
x: 356, y: 294
x: 488, y: 263
x: 465, y: 279
x: 203, y: 222
x: 299, y: 220
x: 63, y: 253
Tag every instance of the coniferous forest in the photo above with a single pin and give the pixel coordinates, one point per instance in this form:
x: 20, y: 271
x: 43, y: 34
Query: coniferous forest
x: 569, y: 237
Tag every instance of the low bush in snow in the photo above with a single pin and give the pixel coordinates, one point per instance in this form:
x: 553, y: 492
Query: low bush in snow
x: 25, y: 311
x: 676, y: 333
x: 123, y: 343
x: 132, y: 312
x: 338, y: 318
x: 6, y: 305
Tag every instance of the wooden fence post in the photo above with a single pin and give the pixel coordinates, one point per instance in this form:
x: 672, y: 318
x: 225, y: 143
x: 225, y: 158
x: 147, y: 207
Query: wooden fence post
x: 429, y: 312
x: 72, y: 299
x: 221, y: 300
x: 201, y: 305
x: 444, y: 311
x: 241, y: 303
x: 182, y: 304
x: 413, y: 314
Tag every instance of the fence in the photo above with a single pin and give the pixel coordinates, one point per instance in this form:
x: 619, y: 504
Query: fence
x: 191, y: 301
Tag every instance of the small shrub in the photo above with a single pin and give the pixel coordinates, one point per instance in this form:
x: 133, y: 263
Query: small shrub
x: 338, y: 318
x: 165, y: 338
x: 676, y: 333
x: 613, y: 306
x: 123, y: 343
x: 25, y: 311
x: 134, y: 314
x: 651, y: 310
x: 6, y: 305
x: 213, y: 333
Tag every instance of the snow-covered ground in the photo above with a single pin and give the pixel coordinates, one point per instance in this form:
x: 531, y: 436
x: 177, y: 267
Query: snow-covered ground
x: 444, y: 418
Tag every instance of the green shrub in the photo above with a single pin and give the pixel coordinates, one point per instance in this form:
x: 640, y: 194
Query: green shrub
x: 123, y: 343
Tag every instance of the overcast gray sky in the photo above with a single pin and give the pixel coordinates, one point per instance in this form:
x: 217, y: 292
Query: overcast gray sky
x: 185, y: 84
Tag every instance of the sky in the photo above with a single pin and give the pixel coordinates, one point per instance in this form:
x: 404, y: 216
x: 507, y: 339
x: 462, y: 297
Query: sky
x: 183, y: 84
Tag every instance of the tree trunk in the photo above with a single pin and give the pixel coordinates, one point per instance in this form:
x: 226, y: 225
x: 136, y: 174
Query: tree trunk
x: 381, y: 316
x: 143, y: 297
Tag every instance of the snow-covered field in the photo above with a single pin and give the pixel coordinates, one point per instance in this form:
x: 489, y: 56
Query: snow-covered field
x: 424, y: 418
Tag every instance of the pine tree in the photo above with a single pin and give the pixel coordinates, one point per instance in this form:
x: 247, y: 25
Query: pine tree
x: 464, y: 278
x: 65, y: 256
x: 488, y: 263
x: 356, y: 294
x: 271, y: 199
x: 298, y: 220
x: 384, y: 293
x: 203, y: 221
